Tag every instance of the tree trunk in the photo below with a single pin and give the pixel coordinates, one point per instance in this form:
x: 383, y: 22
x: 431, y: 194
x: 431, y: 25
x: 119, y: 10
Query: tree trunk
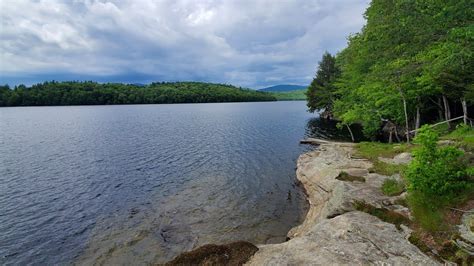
x: 440, y: 109
x: 406, y: 116
x: 390, y: 136
x: 417, y: 120
x: 350, y: 131
x: 464, y: 110
x: 396, y: 134
x: 447, y: 111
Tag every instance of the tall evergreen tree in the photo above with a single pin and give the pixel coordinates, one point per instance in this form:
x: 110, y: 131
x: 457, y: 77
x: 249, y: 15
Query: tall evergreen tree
x: 322, y: 91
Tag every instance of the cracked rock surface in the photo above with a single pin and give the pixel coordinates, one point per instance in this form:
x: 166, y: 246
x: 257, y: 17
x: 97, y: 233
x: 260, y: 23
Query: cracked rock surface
x: 333, y: 231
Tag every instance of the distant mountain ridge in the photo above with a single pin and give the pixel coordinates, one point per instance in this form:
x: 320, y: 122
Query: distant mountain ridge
x: 283, y: 87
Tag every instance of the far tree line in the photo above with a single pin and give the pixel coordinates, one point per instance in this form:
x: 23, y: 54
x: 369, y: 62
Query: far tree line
x: 93, y: 93
x: 412, y: 63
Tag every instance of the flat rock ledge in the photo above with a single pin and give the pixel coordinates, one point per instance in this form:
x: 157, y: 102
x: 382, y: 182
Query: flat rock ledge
x: 334, y: 232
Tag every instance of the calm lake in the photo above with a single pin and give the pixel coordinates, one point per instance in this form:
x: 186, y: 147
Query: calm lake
x: 142, y: 183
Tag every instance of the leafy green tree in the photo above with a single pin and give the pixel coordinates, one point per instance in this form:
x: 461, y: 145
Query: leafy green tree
x: 408, y: 56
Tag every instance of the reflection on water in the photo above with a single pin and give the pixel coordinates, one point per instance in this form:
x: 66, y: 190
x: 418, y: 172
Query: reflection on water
x: 140, y: 184
x: 327, y: 129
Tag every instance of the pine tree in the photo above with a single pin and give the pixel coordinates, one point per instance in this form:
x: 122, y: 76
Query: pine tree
x: 321, y: 93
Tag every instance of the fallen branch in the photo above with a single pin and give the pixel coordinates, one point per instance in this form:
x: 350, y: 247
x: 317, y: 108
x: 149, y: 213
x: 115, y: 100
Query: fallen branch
x: 447, y: 121
x: 459, y: 210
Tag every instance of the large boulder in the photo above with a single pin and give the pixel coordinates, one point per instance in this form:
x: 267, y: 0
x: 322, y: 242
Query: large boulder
x: 353, y: 238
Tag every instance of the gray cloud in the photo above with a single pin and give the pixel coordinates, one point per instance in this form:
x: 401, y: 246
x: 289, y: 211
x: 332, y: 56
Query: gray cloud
x: 246, y: 43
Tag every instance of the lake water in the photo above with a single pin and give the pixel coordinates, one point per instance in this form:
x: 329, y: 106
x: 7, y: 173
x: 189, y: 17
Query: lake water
x: 142, y: 183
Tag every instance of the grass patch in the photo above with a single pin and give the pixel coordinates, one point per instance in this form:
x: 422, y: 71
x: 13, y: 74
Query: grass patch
x: 426, y: 212
x: 373, y: 150
x: 343, y: 176
x: 403, y: 202
x: 392, y: 187
x: 383, y: 214
x: 387, y: 169
x: 463, y: 135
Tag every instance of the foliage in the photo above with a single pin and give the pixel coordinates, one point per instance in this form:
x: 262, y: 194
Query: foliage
x: 409, y: 55
x: 437, y: 177
x: 295, y: 95
x: 392, y: 187
x: 284, y: 88
x: 437, y: 172
x: 92, y: 93
x: 321, y: 91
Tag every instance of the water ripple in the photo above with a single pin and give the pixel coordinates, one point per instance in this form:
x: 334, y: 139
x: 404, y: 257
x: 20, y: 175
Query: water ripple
x: 139, y: 184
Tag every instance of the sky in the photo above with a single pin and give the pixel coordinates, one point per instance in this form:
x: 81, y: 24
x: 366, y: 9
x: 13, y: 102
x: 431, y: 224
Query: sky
x: 248, y: 43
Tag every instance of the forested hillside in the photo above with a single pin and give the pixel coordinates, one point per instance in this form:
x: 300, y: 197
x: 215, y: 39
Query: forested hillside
x: 298, y: 95
x: 283, y: 88
x: 92, y: 93
x: 412, y: 63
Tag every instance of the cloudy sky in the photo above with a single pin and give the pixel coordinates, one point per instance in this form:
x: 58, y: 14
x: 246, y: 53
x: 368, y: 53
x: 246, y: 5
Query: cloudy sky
x: 250, y: 43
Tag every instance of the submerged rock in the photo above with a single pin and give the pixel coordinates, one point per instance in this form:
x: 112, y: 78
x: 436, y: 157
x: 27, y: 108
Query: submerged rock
x: 236, y: 253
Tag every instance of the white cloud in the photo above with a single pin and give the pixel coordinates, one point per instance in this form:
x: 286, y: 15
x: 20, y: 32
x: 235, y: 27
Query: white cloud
x: 243, y: 42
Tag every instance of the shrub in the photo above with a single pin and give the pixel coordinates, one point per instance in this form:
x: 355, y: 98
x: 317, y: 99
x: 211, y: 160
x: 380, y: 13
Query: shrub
x: 436, y: 177
x: 437, y: 172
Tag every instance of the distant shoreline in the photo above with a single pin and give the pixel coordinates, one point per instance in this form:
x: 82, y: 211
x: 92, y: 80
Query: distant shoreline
x: 93, y: 93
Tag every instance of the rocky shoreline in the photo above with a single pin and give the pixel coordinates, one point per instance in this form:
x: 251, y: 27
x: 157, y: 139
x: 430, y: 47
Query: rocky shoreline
x: 335, y: 231
x: 350, y: 220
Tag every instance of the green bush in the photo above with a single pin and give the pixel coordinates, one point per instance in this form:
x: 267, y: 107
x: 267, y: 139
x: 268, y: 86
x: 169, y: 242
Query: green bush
x: 438, y: 172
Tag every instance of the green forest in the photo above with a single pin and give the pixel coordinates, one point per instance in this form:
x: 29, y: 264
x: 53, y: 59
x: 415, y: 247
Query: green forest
x: 296, y: 95
x: 408, y: 76
x: 93, y: 93
x: 411, y: 64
